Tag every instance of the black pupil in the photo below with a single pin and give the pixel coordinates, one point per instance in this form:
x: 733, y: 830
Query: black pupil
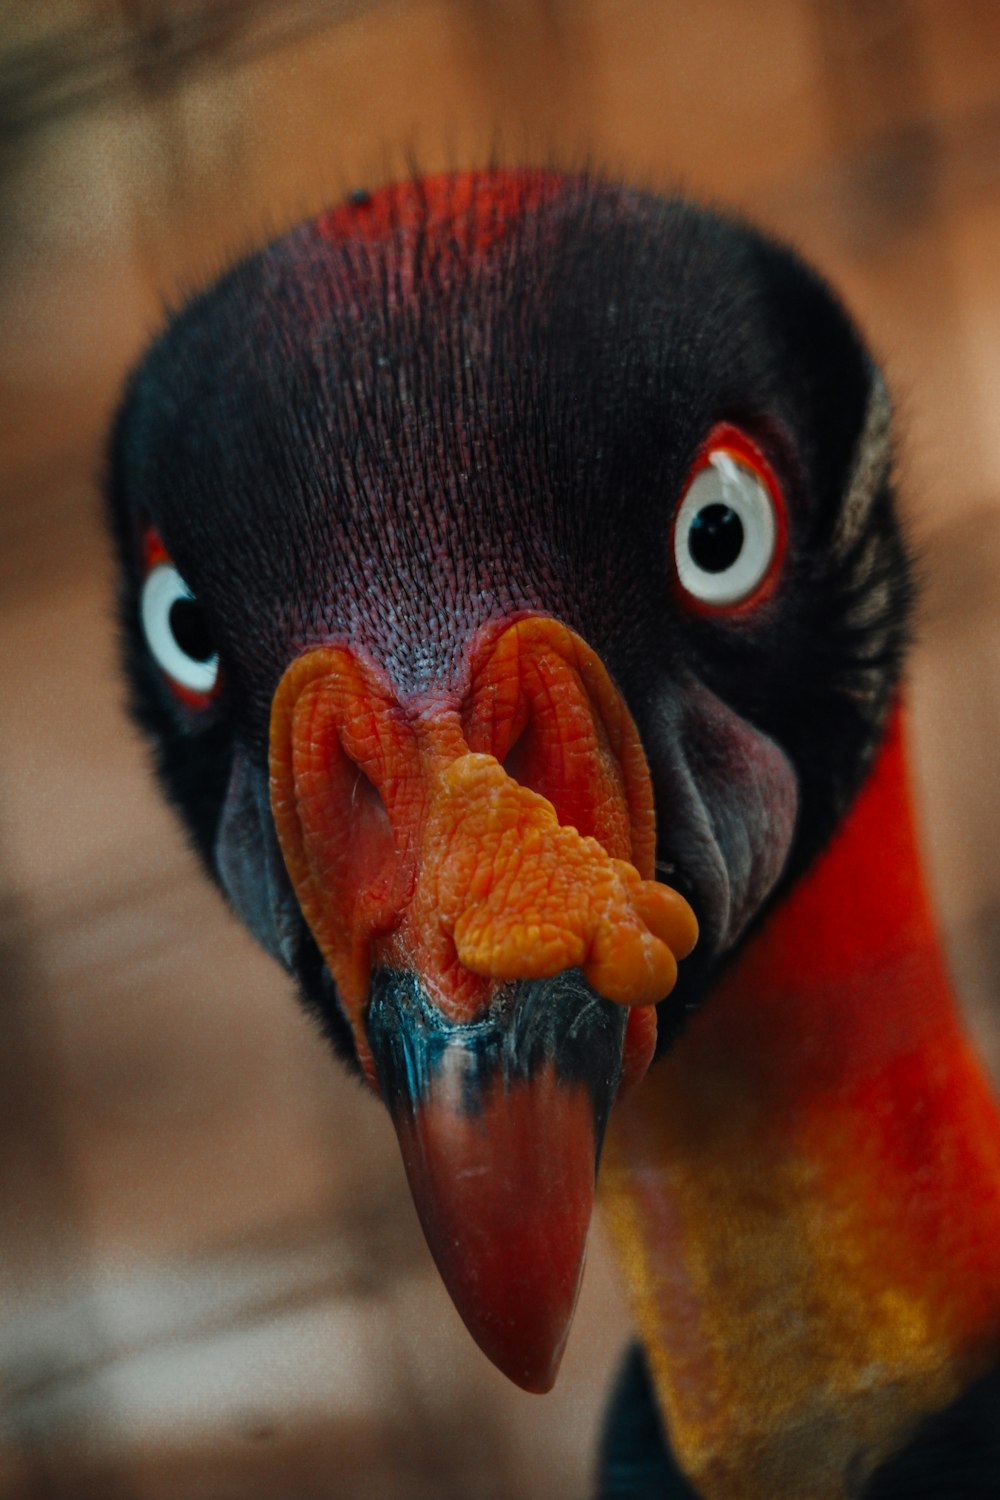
x: 190, y: 629
x: 715, y: 540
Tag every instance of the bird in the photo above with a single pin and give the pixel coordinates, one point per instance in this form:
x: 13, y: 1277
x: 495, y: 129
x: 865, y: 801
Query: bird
x: 514, y: 594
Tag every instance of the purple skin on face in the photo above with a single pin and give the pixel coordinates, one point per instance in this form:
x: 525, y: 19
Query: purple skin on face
x: 734, y: 797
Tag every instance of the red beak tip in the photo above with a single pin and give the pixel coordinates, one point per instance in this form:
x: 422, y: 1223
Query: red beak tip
x: 527, y: 1346
x: 537, y: 1382
x: 509, y: 1241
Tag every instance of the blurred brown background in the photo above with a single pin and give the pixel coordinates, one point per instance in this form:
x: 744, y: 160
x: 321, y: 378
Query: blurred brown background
x: 214, y: 1285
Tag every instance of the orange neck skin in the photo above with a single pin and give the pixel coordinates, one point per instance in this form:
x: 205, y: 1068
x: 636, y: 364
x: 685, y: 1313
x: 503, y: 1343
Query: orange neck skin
x: 806, y: 1194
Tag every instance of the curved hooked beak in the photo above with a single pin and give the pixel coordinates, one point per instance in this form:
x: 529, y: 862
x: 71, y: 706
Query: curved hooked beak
x: 473, y: 874
x: 500, y: 1123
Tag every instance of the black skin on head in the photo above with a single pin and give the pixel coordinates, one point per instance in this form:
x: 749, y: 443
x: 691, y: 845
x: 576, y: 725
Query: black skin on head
x: 394, y: 442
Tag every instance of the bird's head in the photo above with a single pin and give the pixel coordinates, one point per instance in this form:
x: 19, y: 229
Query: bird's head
x: 509, y: 571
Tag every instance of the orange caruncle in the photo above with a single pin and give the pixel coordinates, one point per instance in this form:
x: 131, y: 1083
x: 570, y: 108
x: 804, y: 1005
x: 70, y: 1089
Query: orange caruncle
x: 524, y: 897
x: 497, y: 836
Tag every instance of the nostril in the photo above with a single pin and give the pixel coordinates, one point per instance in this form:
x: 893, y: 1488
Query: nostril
x: 542, y: 704
x: 370, y: 836
x: 517, y: 761
x: 535, y: 762
x: 529, y: 741
x: 541, y: 760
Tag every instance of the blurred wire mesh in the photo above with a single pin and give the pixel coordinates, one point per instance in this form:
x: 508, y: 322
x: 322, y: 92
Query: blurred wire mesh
x: 214, y: 1281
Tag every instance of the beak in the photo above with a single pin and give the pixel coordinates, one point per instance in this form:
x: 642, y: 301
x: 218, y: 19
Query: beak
x: 500, y: 1123
x: 473, y: 873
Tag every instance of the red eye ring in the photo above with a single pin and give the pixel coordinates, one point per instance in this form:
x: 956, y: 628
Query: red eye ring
x: 729, y: 531
x: 191, y: 675
x: 153, y: 550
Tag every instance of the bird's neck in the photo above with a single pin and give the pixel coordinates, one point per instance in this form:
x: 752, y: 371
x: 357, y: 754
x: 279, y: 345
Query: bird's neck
x: 806, y: 1194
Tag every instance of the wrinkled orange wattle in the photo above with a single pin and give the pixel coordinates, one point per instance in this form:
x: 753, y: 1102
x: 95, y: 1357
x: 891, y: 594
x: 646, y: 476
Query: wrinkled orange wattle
x: 507, y: 836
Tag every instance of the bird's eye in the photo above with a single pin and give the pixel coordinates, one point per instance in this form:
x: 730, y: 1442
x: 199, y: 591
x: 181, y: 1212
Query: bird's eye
x: 177, y: 632
x: 729, y: 526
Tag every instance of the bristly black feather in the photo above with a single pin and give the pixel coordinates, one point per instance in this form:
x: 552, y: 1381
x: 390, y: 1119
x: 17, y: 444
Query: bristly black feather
x: 635, y: 1462
x: 954, y: 1454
